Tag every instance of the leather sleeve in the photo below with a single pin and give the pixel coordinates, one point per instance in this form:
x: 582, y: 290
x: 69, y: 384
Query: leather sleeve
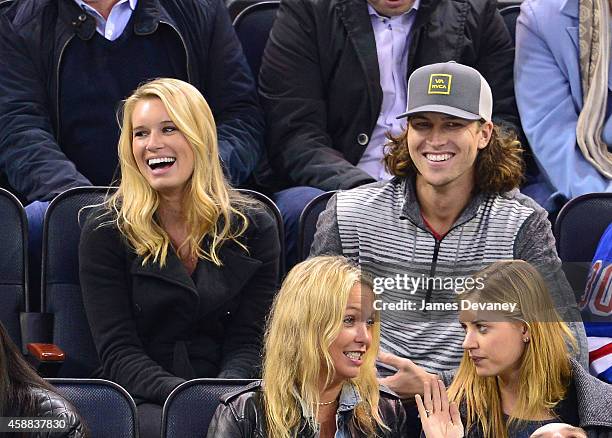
x: 54, y: 406
x: 225, y: 423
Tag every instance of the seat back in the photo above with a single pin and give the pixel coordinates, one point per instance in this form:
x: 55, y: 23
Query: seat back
x: 578, y: 229
x: 106, y: 408
x: 191, y: 405
x: 13, y: 263
x: 253, y: 27
x: 273, y: 209
x: 580, y: 225
x: 61, y: 288
x: 510, y: 14
x: 308, y: 223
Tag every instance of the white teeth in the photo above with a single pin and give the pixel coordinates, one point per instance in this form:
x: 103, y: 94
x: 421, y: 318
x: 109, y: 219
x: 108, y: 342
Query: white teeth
x: 161, y: 160
x: 438, y: 157
x: 355, y: 355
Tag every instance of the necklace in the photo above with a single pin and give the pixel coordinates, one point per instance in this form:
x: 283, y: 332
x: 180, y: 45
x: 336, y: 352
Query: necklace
x: 326, y: 403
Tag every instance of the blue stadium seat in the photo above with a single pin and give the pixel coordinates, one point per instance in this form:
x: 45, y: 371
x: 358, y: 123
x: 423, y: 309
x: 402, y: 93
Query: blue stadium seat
x: 105, y: 407
x: 273, y: 209
x: 580, y: 225
x: 13, y: 263
x: 308, y: 223
x: 191, y: 405
x: 61, y: 289
x: 253, y: 26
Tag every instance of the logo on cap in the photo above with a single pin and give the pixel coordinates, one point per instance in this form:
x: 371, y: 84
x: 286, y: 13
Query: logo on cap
x: 440, y: 83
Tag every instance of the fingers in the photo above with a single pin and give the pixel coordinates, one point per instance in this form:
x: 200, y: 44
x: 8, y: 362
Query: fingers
x: 455, y: 416
x: 435, y: 390
x: 443, y: 396
x: 391, y: 359
x: 420, y: 407
x: 427, y: 397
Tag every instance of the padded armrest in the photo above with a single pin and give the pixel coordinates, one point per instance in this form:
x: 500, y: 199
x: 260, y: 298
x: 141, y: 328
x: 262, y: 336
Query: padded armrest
x: 46, y: 352
x: 46, y: 359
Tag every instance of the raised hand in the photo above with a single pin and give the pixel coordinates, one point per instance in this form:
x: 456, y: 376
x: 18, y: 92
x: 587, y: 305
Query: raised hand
x: 439, y: 419
x: 409, y: 378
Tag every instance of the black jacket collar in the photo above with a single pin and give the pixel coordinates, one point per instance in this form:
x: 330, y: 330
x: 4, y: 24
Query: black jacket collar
x: 147, y: 16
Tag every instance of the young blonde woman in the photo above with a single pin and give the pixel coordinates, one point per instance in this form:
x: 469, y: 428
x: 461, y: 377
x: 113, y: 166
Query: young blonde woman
x: 517, y: 373
x: 319, y: 377
x: 177, y: 271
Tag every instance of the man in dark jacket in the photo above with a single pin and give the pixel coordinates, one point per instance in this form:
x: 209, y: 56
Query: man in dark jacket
x: 333, y: 78
x: 66, y: 64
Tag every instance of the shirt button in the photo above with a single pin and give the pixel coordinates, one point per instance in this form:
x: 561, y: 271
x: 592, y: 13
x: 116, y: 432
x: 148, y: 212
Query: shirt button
x: 363, y: 139
x: 82, y: 17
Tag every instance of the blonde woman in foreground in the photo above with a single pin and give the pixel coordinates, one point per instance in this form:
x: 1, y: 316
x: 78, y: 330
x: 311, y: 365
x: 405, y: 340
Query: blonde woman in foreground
x: 178, y: 271
x: 517, y: 373
x: 319, y: 377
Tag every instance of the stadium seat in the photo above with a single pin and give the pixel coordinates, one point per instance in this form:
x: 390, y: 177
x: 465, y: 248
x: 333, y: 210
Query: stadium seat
x: 106, y: 408
x: 253, y: 26
x: 308, y: 223
x: 579, y: 226
x: 191, y: 405
x: 510, y: 14
x: 13, y: 264
x: 61, y: 289
x: 272, y: 208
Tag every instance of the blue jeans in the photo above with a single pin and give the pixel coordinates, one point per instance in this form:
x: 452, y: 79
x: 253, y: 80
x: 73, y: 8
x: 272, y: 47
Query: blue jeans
x: 291, y: 202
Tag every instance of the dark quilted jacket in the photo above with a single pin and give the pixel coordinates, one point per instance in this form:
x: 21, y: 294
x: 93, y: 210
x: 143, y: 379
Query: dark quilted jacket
x: 53, y: 405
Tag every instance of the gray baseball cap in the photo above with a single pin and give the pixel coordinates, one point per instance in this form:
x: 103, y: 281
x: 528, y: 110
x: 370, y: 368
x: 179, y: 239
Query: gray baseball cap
x: 449, y: 88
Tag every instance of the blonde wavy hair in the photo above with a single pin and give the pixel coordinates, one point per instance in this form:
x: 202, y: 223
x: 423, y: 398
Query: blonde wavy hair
x: 499, y: 166
x: 545, y: 363
x: 210, y: 207
x: 306, y: 318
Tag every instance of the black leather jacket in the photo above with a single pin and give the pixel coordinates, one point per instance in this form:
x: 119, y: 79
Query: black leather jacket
x: 52, y: 405
x: 241, y: 414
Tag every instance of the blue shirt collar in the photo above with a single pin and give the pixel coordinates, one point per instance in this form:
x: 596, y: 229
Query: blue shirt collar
x: 349, y: 399
x: 88, y: 8
x: 374, y: 13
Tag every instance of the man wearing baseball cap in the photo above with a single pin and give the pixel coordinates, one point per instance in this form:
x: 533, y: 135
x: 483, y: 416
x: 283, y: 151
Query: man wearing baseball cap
x: 452, y: 209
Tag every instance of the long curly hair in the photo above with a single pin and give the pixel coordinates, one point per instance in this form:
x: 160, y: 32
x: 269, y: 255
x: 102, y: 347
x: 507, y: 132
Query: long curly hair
x: 210, y: 207
x: 306, y: 318
x: 499, y: 166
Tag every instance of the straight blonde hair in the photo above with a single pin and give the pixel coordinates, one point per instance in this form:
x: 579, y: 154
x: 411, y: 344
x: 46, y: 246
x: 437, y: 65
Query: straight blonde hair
x: 209, y: 204
x: 545, y: 363
x: 306, y: 318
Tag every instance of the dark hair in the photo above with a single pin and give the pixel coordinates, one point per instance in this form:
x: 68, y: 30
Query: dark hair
x: 17, y: 378
x: 499, y: 166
